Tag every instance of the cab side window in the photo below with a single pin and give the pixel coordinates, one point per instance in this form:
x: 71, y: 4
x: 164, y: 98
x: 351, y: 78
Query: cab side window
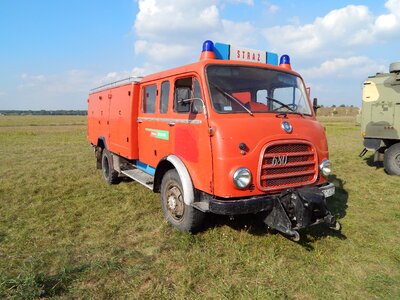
x: 164, y: 97
x: 182, y: 92
x: 149, y: 99
x: 196, y: 88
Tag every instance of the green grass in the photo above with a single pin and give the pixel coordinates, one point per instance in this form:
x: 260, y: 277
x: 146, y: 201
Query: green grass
x: 64, y: 233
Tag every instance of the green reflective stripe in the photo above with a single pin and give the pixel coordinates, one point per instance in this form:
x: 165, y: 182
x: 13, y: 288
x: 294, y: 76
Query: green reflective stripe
x: 158, y: 134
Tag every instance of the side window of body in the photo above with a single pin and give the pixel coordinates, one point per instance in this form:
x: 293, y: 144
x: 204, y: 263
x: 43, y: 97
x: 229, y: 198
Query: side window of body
x: 149, y: 99
x: 164, y: 99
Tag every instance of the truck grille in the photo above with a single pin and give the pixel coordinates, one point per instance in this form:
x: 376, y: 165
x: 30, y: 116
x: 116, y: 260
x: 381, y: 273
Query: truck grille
x: 288, y: 164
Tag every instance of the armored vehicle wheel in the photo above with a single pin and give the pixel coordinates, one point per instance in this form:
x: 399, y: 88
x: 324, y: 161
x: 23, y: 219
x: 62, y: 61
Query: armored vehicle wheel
x: 176, y: 212
x: 392, y: 160
x: 109, y: 174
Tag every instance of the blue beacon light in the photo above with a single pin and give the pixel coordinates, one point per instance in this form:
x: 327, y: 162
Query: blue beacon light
x: 208, y: 50
x: 284, y: 62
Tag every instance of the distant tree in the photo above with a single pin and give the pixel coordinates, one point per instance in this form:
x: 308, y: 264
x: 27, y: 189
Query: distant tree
x: 43, y: 112
x: 333, y: 105
x: 342, y: 105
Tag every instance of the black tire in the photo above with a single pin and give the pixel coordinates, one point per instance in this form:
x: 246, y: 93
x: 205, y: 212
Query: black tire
x: 176, y: 212
x: 109, y: 174
x: 391, y: 161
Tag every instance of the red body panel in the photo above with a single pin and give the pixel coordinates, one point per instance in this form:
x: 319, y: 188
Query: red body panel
x: 112, y: 115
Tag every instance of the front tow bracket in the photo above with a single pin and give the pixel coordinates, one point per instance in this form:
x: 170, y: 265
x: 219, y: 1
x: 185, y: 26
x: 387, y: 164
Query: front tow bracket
x: 301, y: 208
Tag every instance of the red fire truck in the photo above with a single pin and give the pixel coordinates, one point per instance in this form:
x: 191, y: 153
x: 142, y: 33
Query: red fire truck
x: 234, y: 133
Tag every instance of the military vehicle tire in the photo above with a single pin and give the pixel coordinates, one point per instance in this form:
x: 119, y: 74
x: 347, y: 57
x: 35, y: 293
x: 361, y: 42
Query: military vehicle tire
x: 109, y: 174
x: 392, y: 160
x: 176, y: 212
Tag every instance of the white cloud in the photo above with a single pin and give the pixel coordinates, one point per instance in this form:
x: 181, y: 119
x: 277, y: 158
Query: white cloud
x: 273, y: 8
x: 171, y: 33
x: 65, y: 90
x: 30, y: 81
x: 359, y: 66
x: 341, y: 30
x: 335, y: 32
x: 248, y: 2
x: 236, y: 33
x: 339, y: 80
x: 388, y: 26
x: 67, y: 82
x: 173, y: 21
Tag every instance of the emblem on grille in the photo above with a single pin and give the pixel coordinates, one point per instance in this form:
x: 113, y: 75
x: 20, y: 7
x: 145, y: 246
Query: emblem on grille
x: 287, y: 126
x: 280, y: 160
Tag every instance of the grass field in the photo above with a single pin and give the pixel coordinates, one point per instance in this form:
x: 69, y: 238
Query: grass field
x: 65, y: 233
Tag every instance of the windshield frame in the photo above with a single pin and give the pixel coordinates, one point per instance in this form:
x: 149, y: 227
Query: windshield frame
x: 299, y: 85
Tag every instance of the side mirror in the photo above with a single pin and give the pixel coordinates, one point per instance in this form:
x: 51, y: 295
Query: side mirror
x: 315, y: 105
x: 197, y: 106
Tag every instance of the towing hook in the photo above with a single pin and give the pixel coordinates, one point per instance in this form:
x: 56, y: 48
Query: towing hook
x: 337, y: 226
x: 297, y: 209
x: 294, y: 235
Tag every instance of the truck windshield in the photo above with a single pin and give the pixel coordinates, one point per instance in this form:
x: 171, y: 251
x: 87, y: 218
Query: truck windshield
x: 241, y: 89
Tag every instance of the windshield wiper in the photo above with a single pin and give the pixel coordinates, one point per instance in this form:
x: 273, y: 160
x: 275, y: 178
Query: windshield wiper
x: 232, y: 98
x: 292, y: 111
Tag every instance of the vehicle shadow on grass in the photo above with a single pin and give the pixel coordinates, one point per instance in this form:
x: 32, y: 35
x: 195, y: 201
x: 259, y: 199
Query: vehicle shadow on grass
x: 371, y: 163
x: 255, y: 225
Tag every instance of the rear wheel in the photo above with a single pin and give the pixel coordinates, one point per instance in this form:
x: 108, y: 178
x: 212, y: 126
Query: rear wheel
x: 109, y: 173
x: 177, y: 213
x: 392, y: 160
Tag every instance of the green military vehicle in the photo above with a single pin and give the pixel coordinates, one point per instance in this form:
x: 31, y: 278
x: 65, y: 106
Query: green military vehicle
x: 380, y: 118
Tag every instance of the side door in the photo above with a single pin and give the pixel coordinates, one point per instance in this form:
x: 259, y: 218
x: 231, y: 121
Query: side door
x: 189, y: 131
x: 147, y: 125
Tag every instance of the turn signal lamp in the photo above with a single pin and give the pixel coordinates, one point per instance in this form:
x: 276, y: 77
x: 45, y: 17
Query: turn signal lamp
x: 285, y: 62
x: 208, y: 50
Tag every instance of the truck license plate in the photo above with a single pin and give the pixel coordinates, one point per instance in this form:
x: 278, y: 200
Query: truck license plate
x: 329, y: 191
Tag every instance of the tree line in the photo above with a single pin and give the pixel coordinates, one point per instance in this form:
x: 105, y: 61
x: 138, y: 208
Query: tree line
x: 44, y: 112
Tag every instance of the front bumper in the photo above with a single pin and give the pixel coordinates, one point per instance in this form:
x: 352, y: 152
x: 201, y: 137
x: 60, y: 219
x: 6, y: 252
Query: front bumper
x: 254, y: 204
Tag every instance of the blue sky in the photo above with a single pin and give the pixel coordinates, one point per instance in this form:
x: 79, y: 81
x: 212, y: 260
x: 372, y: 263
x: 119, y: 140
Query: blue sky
x: 53, y: 52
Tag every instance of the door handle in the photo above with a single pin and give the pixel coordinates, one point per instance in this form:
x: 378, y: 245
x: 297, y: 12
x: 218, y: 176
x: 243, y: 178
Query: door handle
x: 171, y: 124
x: 139, y: 121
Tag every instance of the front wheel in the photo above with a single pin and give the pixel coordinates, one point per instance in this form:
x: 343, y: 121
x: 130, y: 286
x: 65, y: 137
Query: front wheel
x: 176, y: 212
x: 392, y: 160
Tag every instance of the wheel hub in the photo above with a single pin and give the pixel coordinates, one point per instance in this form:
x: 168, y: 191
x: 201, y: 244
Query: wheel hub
x: 171, y: 202
x: 397, y: 160
x: 175, y: 203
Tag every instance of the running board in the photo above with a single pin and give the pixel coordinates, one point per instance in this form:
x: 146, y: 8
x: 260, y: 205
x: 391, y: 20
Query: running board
x: 140, y: 176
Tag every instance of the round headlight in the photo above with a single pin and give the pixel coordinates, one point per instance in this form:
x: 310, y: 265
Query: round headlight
x: 325, y: 167
x: 242, y: 178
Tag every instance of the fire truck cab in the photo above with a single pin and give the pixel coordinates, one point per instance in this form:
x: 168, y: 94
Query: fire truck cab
x: 234, y: 133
